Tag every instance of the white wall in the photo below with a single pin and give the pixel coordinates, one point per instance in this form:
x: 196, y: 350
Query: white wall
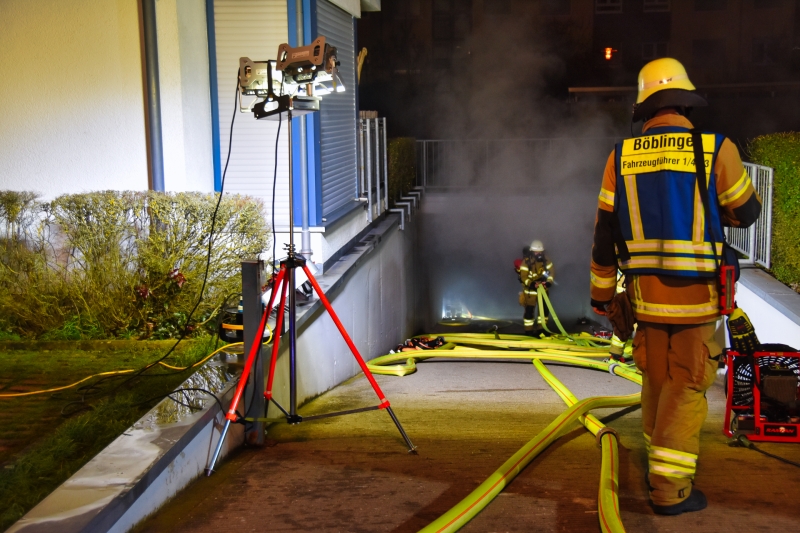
x: 71, y: 96
x: 771, y: 325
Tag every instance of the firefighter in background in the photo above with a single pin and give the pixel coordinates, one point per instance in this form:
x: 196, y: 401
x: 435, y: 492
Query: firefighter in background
x: 651, y: 222
x: 535, y: 272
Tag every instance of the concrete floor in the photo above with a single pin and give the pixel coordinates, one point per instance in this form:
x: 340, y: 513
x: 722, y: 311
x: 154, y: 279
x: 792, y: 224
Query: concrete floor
x: 352, y: 474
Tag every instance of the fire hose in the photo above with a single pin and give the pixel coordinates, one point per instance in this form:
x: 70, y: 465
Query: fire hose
x: 578, y: 350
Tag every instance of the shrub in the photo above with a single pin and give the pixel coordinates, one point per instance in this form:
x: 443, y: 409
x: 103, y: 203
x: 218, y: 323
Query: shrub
x: 781, y: 151
x: 119, y: 264
x: 402, y: 166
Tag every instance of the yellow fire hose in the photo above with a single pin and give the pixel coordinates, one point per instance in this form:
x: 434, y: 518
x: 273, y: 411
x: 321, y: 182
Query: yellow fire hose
x: 607, y: 497
x: 128, y: 371
x: 579, y: 350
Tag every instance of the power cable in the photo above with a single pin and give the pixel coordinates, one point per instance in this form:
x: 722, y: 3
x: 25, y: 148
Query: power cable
x: 744, y: 442
x: 184, y: 389
x: 169, y: 352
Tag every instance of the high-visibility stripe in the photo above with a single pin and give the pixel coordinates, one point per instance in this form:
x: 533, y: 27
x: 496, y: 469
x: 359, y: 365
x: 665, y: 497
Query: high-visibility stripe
x: 684, y: 264
x: 699, y: 217
x: 670, y: 471
x: 606, y: 197
x: 603, y: 282
x: 682, y: 310
x: 527, y: 322
x: 674, y: 456
x: 673, y: 246
x: 734, y: 193
x: 633, y: 207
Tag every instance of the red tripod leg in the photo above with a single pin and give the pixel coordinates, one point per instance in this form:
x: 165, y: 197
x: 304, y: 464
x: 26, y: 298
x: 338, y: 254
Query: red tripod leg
x: 384, y: 402
x: 237, y: 396
x: 347, y: 339
x: 231, y: 415
x: 276, y: 338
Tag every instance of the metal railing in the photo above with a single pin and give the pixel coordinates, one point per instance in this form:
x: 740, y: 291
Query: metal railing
x: 755, y: 242
x: 464, y: 163
x: 373, y: 168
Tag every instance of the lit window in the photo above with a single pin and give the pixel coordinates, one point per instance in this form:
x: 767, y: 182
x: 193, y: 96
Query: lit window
x: 603, y: 7
x: 650, y: 6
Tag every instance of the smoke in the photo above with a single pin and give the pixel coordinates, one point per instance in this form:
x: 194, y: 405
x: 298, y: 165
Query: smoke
x: 518, y: 165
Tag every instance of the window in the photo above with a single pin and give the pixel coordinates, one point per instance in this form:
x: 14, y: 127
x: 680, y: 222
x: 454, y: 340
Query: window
x: 442, y: 28
x: 651, y: 51
x: 556, y: 7
x: 708, y: 53
x: 442, y: 56
x: 765, y: 50
x: 602, y: 7
x: 710, y: 5
x: 497, y: 7
x: 653, y: 6
x: 440, y: 6
x: 766, y: 4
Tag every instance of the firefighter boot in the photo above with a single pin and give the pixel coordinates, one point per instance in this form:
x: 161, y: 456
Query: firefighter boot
x: 695, y: 502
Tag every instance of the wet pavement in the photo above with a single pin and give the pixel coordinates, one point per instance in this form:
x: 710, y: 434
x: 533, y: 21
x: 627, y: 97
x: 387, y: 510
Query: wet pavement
x: 352, y: 473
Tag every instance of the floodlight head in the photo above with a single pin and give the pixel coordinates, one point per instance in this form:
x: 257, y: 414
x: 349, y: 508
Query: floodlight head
x: 314, y: 64
x: 258, y: 78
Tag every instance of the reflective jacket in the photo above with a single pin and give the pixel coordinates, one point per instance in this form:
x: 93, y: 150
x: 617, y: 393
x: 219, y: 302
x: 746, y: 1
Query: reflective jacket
x: 658, y: 203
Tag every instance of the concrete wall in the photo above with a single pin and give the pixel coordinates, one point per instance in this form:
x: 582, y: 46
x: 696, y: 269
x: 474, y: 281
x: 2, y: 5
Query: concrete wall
x: 72, y: 99
x: 376, y: 305
x: 773, y: 308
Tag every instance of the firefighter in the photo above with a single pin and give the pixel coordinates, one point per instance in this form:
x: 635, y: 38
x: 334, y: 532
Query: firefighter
x: 534, y: 272
x: 652, y: 224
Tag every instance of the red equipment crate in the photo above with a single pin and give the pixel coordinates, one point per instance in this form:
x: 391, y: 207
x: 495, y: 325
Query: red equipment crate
x: 744, y: 395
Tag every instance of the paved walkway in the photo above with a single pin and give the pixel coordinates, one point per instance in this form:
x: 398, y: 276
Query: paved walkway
x: 352, y: 474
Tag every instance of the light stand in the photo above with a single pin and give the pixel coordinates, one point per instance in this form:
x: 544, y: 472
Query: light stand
x: 285, y: 278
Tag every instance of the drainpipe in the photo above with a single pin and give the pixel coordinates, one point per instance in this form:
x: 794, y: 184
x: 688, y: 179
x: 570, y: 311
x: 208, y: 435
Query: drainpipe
x: 153, y: 99
x: 305, y: 235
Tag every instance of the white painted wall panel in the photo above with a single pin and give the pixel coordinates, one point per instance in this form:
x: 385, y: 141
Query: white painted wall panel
x: 771, y: 325
x: 71, y: 96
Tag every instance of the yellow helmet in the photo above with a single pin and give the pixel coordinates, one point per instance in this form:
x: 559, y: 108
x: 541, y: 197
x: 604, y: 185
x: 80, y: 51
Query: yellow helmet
x: 664, y: 83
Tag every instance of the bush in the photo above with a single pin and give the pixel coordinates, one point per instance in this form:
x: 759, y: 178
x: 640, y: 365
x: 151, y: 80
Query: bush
x: 402, y: 166
x: 781, y: 151
x: 119, y: 264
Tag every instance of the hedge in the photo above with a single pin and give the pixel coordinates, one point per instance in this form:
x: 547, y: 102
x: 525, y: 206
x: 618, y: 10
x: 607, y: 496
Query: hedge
x: 402, y: 166
x: 119, y: 264
x: 781, y: 151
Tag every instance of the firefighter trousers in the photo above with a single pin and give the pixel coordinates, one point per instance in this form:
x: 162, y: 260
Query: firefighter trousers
x: 678, y: 364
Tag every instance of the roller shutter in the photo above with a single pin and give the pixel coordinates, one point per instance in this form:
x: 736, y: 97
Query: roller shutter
x: 338, y: 113
x: 254, y: 29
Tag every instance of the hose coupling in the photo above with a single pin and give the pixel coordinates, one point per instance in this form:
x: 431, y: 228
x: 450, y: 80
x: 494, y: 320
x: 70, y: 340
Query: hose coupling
x: 611, y: 367
x: 603, y: 431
